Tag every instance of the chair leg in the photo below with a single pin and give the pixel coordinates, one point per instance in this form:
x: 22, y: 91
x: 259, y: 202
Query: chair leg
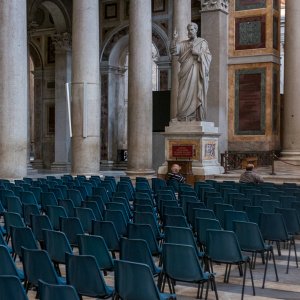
x: 252, y: 281
x: 274, y: 263
x: 266, y: 267
x: 289, y: 256
x: 296, y: 257
x: 215, y: 287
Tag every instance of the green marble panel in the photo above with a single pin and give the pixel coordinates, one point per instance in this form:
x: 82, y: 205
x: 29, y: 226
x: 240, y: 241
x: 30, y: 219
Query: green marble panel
x: 275, y: 104
x: 249, y: 4
x: 250, y: 86
x: 275, y: 33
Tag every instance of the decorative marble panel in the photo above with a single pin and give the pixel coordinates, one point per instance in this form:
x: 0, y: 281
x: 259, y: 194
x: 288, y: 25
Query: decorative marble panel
x: 276, y: 4
x: 104, y: 116
x: 163, y: 80
x: 249, y: 4
x: 275, y: 106
x: 250, y: 33
x: 250, y: 102
x: 50, y: 51
x: 275, y: 33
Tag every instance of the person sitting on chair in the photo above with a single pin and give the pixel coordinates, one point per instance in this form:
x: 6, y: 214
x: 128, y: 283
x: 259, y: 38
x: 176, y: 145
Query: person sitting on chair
x: 250, y: 176
x: 175, y: 175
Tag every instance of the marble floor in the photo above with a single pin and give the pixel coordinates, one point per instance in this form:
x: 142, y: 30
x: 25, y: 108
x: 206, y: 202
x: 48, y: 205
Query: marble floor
x: 286, y: 288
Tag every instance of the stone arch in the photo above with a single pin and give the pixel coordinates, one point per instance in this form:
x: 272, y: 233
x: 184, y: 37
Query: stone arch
x: 59, y: 13
x: 35, y: 56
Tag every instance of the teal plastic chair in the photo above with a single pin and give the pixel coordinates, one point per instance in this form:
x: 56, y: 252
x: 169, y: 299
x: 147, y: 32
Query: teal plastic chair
x: 98, y: 200
x: 28, y: 197
x: 30, y: 209
x: 38, y: 223
x: 76, y: 197
x: 180, y: 263
x: 22, y: 237
x: 49, y: 291
x: 233, y: 215
x: 11, y: 288
x: 202, y: 224
x: 96, y: 246
x: 183, y: 236
x: 219, y: 211
x: 273, y: 228
x: 7, y: 266
x: 54, y: 213
x: 137, y: 250
x: 108, y: 231
x: 86, y: 216
x: 291, y: 219
x: 202, y: 213
x: 93, y: 205
x: 38, y: 266
x: 14, y: 205
x: 135, y: 281
x: 68, y: 205
x: 83, y: 272
x: 57, y: 245
x: 48, y: 198
x: 251, y: 240
x: 12, y: 219
x: 223, y: 247
x: 117, y: 217
x: 144, y: 232
x: 71, y: 227
x: 177, y: 221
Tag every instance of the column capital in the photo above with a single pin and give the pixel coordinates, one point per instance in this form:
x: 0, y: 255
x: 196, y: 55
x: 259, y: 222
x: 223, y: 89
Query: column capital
x: 62, y: 41
x: 211, y: 5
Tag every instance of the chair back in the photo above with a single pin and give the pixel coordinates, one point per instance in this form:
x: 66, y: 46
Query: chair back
x: 71, y: 227
x: 223, y: 246
x: 57, y: 244
x: 202, y: 224
x: 11, y: 288
x: 129, y: 276
x: 48, y: 291
x: 84, y: 274
x: 7, y: 266
x: 233, y: 215
x: 95, y: 245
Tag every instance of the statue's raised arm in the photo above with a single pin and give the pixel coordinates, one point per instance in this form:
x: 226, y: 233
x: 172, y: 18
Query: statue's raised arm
x: 194, y: 58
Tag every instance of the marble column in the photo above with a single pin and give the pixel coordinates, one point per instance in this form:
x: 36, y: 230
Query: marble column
x: 62, y: 42
x: 291, y: 121
x: 140, y: 89
x: 85, y: 87
x: 181, y: 18
x: 214, y: 29
x: 13, y: 89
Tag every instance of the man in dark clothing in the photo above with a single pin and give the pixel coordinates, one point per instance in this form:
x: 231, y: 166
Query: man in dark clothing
x: 250, y: 176
x: 175, y: 175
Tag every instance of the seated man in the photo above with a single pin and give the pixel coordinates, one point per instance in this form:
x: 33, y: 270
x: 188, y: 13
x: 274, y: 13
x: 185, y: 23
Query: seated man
x: 250, y: 176
x: 175, y: 175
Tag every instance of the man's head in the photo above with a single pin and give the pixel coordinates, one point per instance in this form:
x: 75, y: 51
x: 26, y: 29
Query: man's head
x: 192, y: 30
x: 175, y: 168
x: 249, y: 167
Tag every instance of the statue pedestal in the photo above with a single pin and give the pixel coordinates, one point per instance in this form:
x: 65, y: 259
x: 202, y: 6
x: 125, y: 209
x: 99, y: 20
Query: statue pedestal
x: 194, y: 146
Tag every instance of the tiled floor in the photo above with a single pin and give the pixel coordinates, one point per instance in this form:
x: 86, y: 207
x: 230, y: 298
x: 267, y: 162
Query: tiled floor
x: 288, y: 286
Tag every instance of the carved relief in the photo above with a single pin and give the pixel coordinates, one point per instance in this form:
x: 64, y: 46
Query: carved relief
x: 207, y: 5
x: 62, y: 41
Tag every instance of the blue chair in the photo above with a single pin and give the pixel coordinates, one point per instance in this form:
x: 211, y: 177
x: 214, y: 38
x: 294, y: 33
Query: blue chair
x: 38, y: 266
x: 98, y: 200
x: 22, y: 237
x: 83, y: 272
x: 68, y: 205
x: 145, y: 232
x: 54, y: 213
x: 140, y: 276
x: 48, y: 291
x: 117, y: 217
x: 7, y: 266
x: 180, y: 263
x: 30, y: 209
x: 137, y: 250
x: 177, y: 221
x: 57, y: 245
x: 75, y: 196
x: 95, y: 245
x: 71, y: 227
x: 11, y: 288
x: 14, y: 205
x: 251, y: 240
x: 233, y: 215
x: 38, y: 223
x: 107, y: 230
x: 48, y: 198
x: 86, y: 216
x: 273, y: 228
x: 223, y: 247
x: 12, y: 219
x: 28, y: 197
x: 291, y: 219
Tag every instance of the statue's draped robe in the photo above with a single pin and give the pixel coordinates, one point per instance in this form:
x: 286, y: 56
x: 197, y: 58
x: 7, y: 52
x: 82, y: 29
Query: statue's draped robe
x: 193, y: 80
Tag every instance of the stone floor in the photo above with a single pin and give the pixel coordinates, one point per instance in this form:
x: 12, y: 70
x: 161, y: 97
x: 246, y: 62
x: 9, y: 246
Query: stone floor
x: 288, y: 286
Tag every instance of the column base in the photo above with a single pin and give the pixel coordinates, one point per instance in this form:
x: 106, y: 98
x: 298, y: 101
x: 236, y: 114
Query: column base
x: 61, y: 166
x: 148, y: 173
x: 37, y: 164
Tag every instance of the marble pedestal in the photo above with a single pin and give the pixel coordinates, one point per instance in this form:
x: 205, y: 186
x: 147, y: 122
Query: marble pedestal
x: 194, y: 144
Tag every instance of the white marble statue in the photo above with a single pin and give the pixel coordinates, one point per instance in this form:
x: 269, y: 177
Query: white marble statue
x: 194, y: 58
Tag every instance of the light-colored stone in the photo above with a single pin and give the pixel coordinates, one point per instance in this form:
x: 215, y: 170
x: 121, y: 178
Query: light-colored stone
x: 85, y: 88
x: 13, y: 89
x: 140, y: 89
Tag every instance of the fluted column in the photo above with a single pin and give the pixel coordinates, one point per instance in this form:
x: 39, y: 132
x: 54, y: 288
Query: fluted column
x: 181, y: 18
x: 62, y: 42
x: 140, y: 89
x: 85, y: 87
x: 291, y: 129
x: 13, y: 89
